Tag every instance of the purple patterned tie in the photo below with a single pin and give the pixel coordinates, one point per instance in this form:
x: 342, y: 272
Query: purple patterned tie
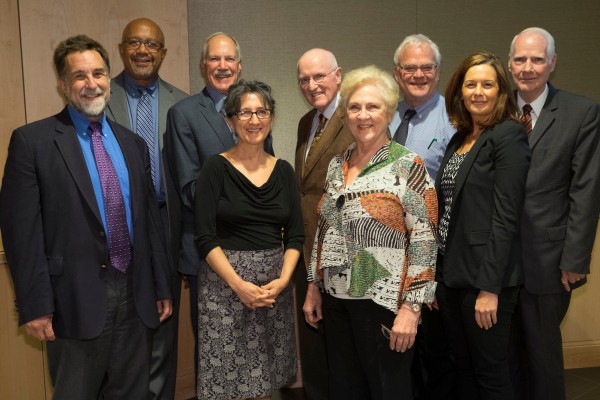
x: 119, y: 245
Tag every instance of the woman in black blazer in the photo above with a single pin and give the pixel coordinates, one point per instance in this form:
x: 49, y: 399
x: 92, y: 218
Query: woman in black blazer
x: 481, y: 189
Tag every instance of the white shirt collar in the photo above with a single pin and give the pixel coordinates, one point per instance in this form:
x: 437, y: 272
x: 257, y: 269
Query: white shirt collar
x: 330, y: 109
x: 537, y: 104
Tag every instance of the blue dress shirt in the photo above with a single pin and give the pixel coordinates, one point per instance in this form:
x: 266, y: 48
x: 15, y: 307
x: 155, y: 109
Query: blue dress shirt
x: 114, y: 152
x: 429, y: 131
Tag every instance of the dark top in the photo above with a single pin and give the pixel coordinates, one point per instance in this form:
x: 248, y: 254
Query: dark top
x: 233, y: 213
x: 483, y: 247
x: 447, y: 185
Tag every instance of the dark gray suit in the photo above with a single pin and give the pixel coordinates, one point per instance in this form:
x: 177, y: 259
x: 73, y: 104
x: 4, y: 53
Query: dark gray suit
x: 163, y: 369
x: 195, y: 131
x: 57, y: 247
x: 558, y: 227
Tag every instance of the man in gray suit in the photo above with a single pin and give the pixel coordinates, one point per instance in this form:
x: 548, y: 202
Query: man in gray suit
x: 143, y: 50
x: 196, y: 130
x: 561, y: 208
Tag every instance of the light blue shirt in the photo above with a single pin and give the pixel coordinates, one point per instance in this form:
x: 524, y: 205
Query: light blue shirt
x: 429, y: 131
x: 133, y: 98
x: 116, y: 155
x: 216, y: 97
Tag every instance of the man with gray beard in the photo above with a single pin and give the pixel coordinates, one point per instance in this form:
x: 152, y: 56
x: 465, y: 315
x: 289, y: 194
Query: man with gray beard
x: 79, y: 225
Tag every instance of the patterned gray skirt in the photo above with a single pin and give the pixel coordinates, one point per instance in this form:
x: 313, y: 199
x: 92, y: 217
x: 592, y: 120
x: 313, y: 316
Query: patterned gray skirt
x: 243, y: 352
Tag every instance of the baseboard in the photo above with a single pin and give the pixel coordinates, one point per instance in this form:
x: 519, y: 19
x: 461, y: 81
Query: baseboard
x: 581, y: 355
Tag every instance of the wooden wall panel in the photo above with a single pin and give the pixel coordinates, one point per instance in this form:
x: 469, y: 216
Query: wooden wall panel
x: 21, y: 362
x: 581, y: 327
x: 44, y: 23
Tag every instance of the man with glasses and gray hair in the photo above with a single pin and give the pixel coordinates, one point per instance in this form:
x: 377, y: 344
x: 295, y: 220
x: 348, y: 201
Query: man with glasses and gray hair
x: 421, y: 124
x: 140, y: 100
x: 322, y: 134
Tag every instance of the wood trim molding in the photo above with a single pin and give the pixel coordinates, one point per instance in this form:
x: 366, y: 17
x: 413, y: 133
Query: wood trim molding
x: 582, y: 356
x: 2, y: 257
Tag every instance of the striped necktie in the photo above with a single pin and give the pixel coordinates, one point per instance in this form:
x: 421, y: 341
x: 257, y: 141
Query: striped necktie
x: 526, y: 119
x: 145, y: 128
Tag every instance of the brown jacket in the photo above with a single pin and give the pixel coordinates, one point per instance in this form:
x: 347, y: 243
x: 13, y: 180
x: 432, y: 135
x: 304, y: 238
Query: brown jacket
x: 311, y: 177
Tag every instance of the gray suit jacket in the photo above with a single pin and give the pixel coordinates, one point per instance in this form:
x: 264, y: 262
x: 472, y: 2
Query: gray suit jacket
x: 195, y: 131
x: 562, y: 201
x: 118, y: 111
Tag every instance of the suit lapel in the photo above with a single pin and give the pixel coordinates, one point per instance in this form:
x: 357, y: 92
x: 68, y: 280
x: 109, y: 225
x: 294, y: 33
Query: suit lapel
x: 118, y: 109
x: 303, y: 135
x: 70, y: 149
x: 165, y: 100
x: 545, y: 119
x: 129, y: 149
x: 215, y: 120
x: 333, y: 128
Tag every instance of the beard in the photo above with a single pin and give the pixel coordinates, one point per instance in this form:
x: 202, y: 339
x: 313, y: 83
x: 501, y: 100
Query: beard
x: 90, y: 106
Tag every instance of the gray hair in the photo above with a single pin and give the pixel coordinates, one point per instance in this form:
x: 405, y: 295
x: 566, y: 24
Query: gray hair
x: 238, y: 52
x: 416, y: 40
x: 550, y: 49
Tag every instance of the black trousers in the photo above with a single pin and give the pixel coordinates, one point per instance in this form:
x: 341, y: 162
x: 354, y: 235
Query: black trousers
x: 541, y: 316
x: 163, y: 366
x: 480, y: 356
x: 116, y: 364
x: 313, y: 354
x: 434, y: 376
x: 361, y: 364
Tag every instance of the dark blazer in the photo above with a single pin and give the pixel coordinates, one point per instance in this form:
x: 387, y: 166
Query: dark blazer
x: 118, y: 111
x: 482, y: 246
x: 195, y: 131
x: 53, y: 235
x: 311, y: 177
x: 562, y: 203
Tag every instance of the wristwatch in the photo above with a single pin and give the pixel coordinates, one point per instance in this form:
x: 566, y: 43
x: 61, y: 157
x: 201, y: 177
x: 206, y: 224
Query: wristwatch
x: 414, y: 307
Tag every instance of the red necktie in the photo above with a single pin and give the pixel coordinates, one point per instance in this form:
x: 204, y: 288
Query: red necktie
x: 526, y: 119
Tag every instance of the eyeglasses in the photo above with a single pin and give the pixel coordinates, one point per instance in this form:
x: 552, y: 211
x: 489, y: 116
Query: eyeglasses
x: 385, y: 331
x: 246, y: 115
x: 411, y: 69
x: 318, y: 78
x: 151, y: 45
